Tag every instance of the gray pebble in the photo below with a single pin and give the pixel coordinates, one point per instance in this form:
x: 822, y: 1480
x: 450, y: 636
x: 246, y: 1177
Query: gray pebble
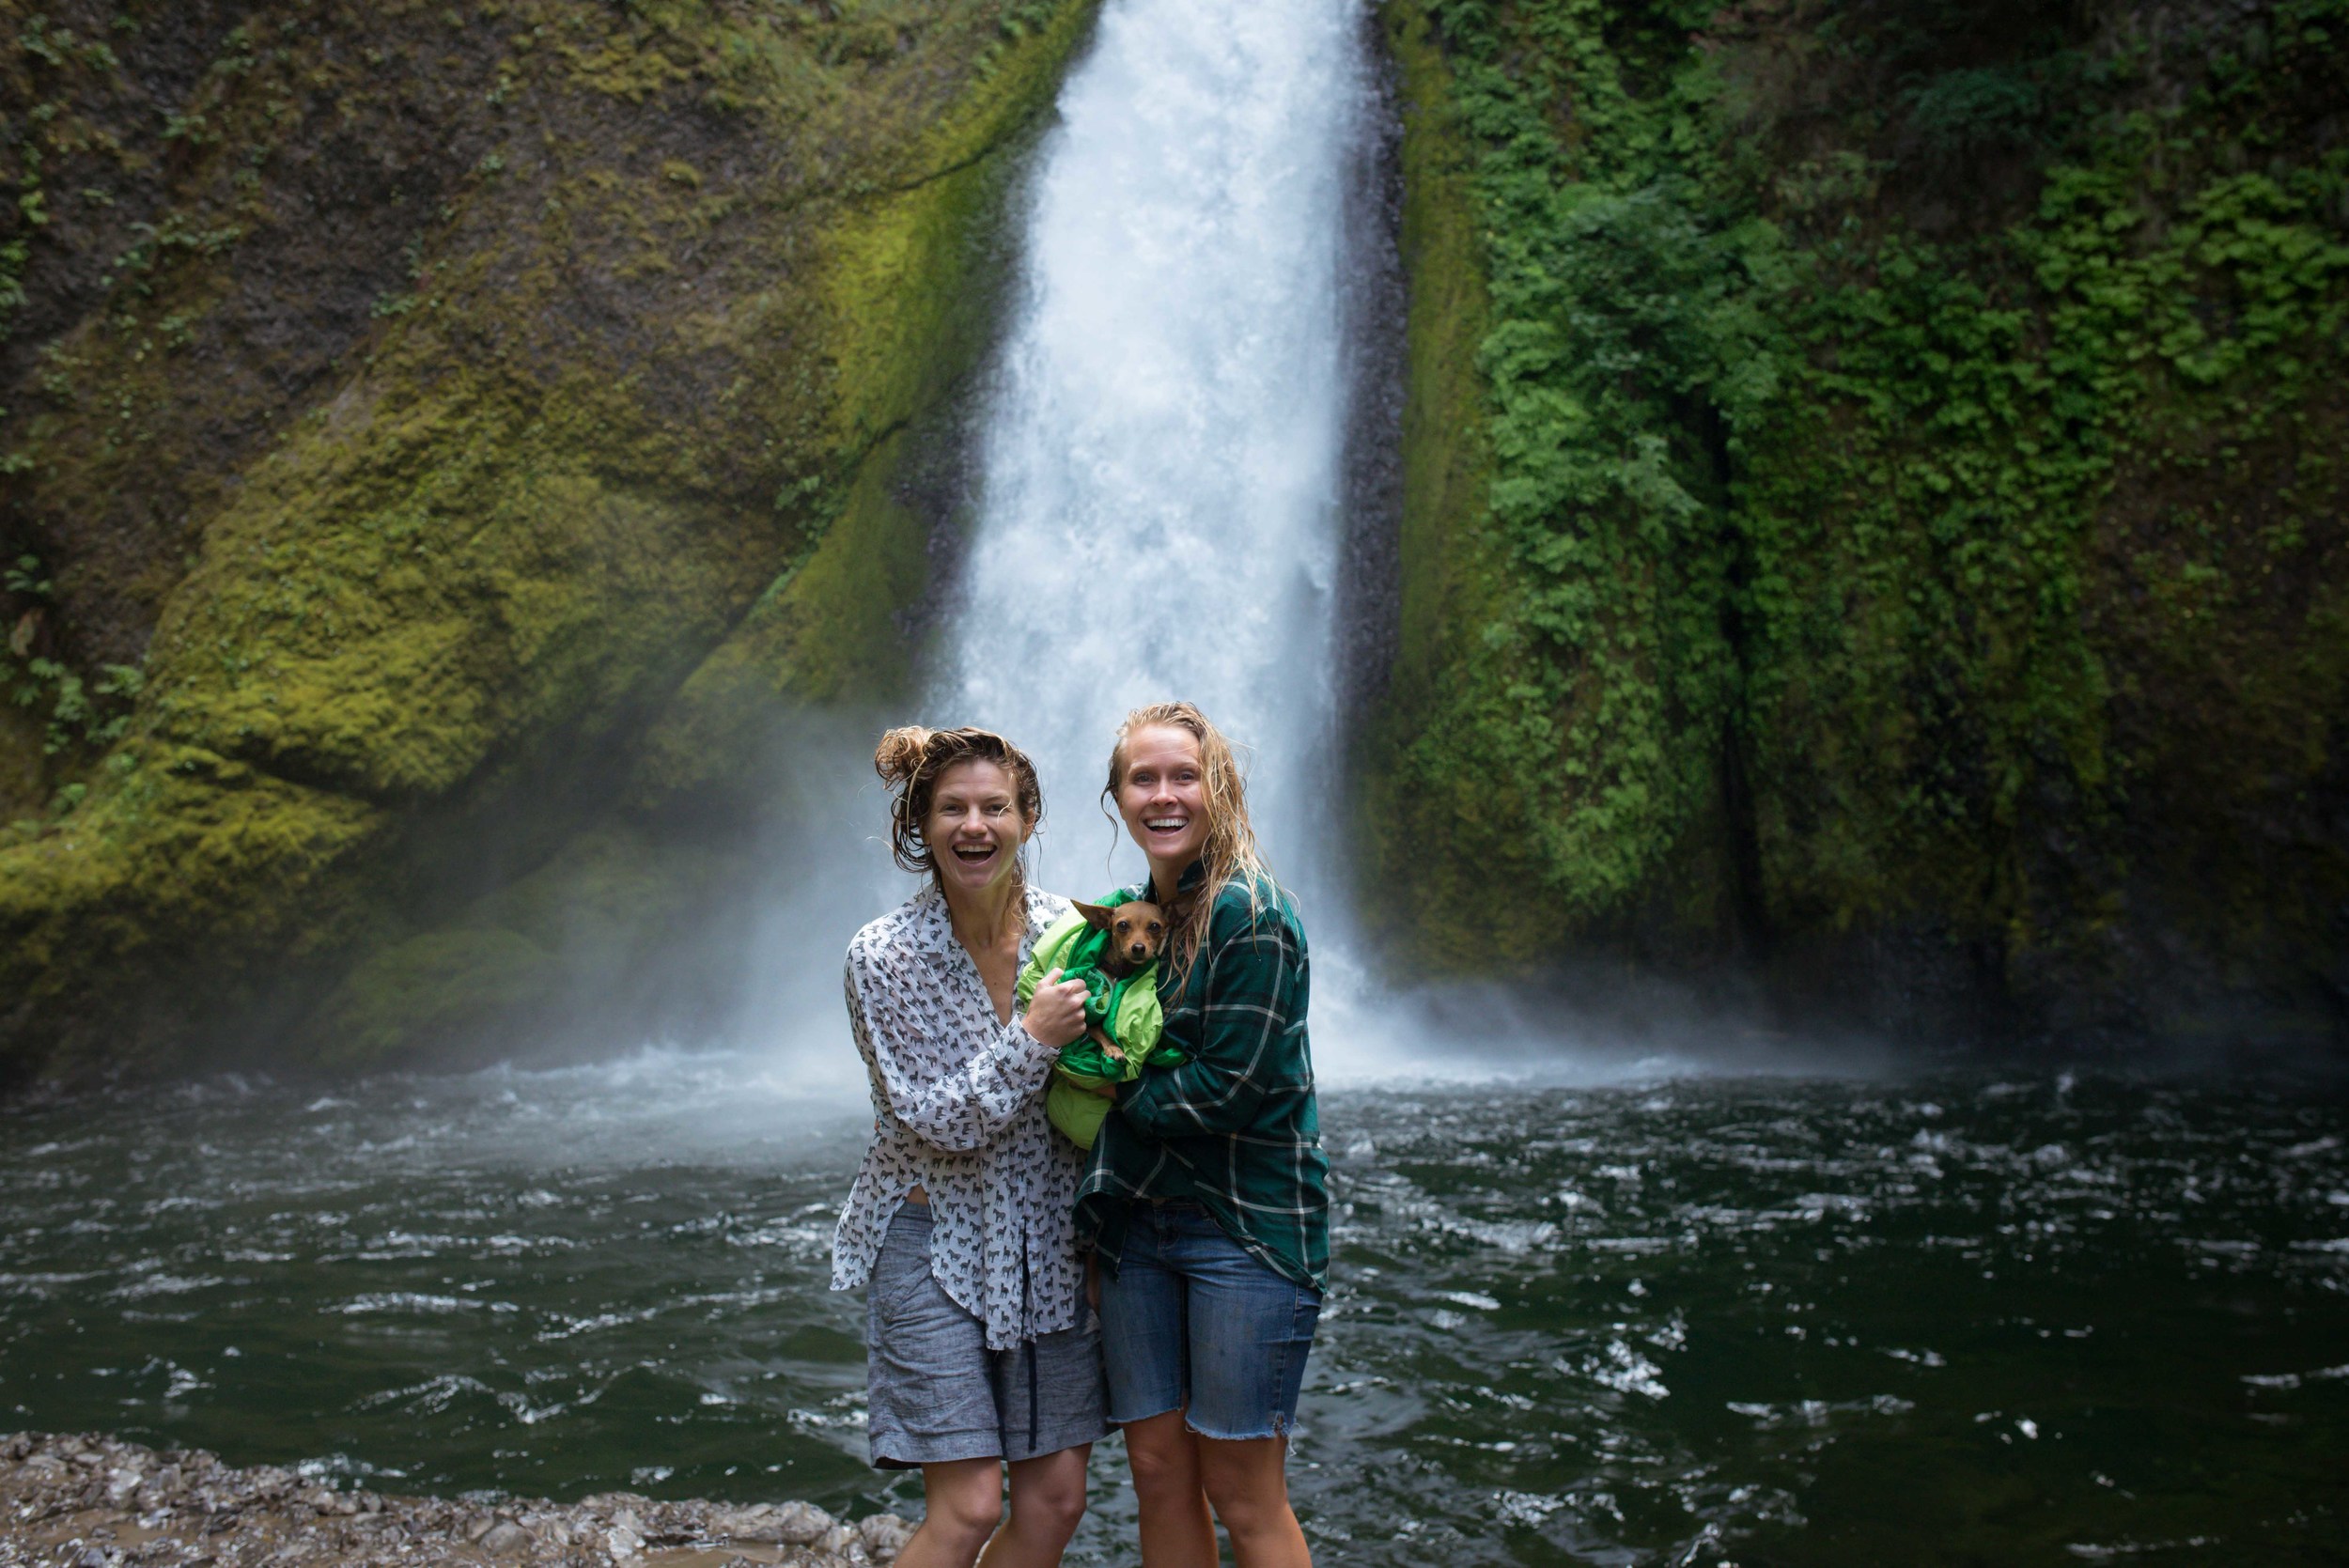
x: 502, y: 1538
x: 883, y: 1535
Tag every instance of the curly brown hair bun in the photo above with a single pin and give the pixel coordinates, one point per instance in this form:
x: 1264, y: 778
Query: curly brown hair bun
x: 910, y: 760
x: 899, y: 754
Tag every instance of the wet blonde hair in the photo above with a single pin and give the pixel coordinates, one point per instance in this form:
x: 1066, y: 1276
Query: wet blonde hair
x: 1230, y: 853
x: 910, y: 760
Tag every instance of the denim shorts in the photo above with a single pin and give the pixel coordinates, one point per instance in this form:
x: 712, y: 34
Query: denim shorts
x: 1192, y: 1321
x: 936, y: 1392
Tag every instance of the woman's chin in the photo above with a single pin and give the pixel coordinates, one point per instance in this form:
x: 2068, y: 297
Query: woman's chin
x: 1172, y: 848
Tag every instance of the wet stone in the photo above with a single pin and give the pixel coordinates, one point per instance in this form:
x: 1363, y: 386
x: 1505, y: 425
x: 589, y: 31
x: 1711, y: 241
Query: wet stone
x: 790, y: 1524
x: 883, y: 1536
x: 504, y: 1538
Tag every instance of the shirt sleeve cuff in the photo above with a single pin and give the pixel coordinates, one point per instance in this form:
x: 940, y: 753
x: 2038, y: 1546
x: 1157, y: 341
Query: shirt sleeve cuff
x: 1031, y: 1050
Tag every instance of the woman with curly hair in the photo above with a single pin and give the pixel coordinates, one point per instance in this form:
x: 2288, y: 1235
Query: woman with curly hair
x: 983, y: 1355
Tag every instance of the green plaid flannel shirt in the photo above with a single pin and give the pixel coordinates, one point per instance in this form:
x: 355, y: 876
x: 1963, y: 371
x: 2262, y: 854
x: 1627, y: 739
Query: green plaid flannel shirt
x: 1232, y: 1128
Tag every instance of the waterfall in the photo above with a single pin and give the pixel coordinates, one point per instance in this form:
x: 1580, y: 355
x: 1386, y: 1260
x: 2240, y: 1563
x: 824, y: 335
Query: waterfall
x: 1160, y: 468
x: 1161, y: 478
x: 1192, y: 413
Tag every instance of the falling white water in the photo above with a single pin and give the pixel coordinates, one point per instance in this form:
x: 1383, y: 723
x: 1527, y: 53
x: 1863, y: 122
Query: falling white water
x: 1160, y: 485
x: 1160, y: 506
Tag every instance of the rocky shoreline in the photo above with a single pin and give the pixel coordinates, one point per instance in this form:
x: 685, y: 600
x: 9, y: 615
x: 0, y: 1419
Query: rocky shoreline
x: 88, y: 1501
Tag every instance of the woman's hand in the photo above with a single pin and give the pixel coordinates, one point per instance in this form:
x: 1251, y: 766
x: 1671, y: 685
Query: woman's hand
x: 1056, y: 1013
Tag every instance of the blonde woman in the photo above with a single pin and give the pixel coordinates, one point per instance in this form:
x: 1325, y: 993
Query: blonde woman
x: 1206, y: 1199
x: 982, y: 1352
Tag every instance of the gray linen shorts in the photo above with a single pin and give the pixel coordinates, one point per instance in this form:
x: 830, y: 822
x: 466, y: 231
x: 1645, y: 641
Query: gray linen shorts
x: 936, y: 1392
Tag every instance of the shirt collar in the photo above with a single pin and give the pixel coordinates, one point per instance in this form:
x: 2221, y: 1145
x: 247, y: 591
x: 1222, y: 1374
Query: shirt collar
x: 933, y: 927
x: 934, y: 923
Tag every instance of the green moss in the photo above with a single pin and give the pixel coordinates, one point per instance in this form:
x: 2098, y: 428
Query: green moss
x: 420, y: 989
x: 186, y: 841
x: 1452, y: 598
x: 24, y: 788
x: 1903, y: 436
x: 891, y: 344
x: 609, y: 941
x: 1446, y: 466
x: 607, y: 897
x: 386, y: 657
x: 528, y: 511
x: 910, y: 297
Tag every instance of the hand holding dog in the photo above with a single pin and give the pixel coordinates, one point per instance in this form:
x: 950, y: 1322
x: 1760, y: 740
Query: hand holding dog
x: 1056, y: 1013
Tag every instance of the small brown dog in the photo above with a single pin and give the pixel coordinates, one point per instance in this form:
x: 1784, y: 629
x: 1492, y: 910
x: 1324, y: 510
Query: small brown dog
x: 1137, y: 931
x: 1137, y: 935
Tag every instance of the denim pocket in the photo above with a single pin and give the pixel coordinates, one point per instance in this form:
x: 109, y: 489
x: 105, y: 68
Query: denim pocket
x: 904, y: 1265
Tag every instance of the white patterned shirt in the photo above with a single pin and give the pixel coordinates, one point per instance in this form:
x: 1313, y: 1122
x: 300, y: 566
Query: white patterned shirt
x: 958, y: 1108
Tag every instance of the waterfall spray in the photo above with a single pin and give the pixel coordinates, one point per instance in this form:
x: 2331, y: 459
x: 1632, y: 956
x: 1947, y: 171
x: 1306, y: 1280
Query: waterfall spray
x: 1160, y: 484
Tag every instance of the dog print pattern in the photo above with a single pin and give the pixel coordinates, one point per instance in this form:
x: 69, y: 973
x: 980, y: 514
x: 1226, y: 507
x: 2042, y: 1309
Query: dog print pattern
x: 957, y: 1109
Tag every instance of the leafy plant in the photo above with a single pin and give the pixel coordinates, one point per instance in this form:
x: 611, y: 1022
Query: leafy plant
x: 77, y: 713
x: 1789, y: 493
x: 24, y: 576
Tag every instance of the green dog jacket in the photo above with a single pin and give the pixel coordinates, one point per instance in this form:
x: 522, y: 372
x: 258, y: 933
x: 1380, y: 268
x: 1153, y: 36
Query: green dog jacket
x: 1125, y: 1010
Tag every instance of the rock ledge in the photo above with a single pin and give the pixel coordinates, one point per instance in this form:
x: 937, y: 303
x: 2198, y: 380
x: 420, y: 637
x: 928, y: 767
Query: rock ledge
x: 86, y: 1502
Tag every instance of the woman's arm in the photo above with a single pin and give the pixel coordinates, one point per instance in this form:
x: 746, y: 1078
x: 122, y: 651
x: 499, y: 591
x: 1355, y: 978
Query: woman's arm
x: 965, y: 1107
x: 1253, y: 1011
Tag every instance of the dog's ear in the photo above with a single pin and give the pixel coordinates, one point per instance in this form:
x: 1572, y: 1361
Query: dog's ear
x: 1097, y: 915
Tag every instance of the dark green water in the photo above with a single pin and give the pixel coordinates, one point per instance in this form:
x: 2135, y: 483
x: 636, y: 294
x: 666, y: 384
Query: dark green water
x: 1948, y: 1321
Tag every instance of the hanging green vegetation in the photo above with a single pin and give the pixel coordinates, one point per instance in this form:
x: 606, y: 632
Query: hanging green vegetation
x: 1882, y: 400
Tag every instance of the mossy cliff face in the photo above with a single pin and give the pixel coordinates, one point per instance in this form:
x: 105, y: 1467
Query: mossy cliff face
x: 1892, y: 535
x: 440, y: 444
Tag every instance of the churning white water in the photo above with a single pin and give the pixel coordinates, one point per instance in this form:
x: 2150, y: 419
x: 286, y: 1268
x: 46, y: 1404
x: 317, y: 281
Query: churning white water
x: 1160, y: 500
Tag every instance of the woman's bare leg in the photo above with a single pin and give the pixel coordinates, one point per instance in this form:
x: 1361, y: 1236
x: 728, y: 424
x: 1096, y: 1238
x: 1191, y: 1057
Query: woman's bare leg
x: 962, y: 1501
x: 1047, y: 1497
x: 1247, y: 1483
x: 1175, y: 1530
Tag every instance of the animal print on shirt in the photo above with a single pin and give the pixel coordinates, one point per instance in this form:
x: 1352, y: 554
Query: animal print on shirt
x: 958, y: 1108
